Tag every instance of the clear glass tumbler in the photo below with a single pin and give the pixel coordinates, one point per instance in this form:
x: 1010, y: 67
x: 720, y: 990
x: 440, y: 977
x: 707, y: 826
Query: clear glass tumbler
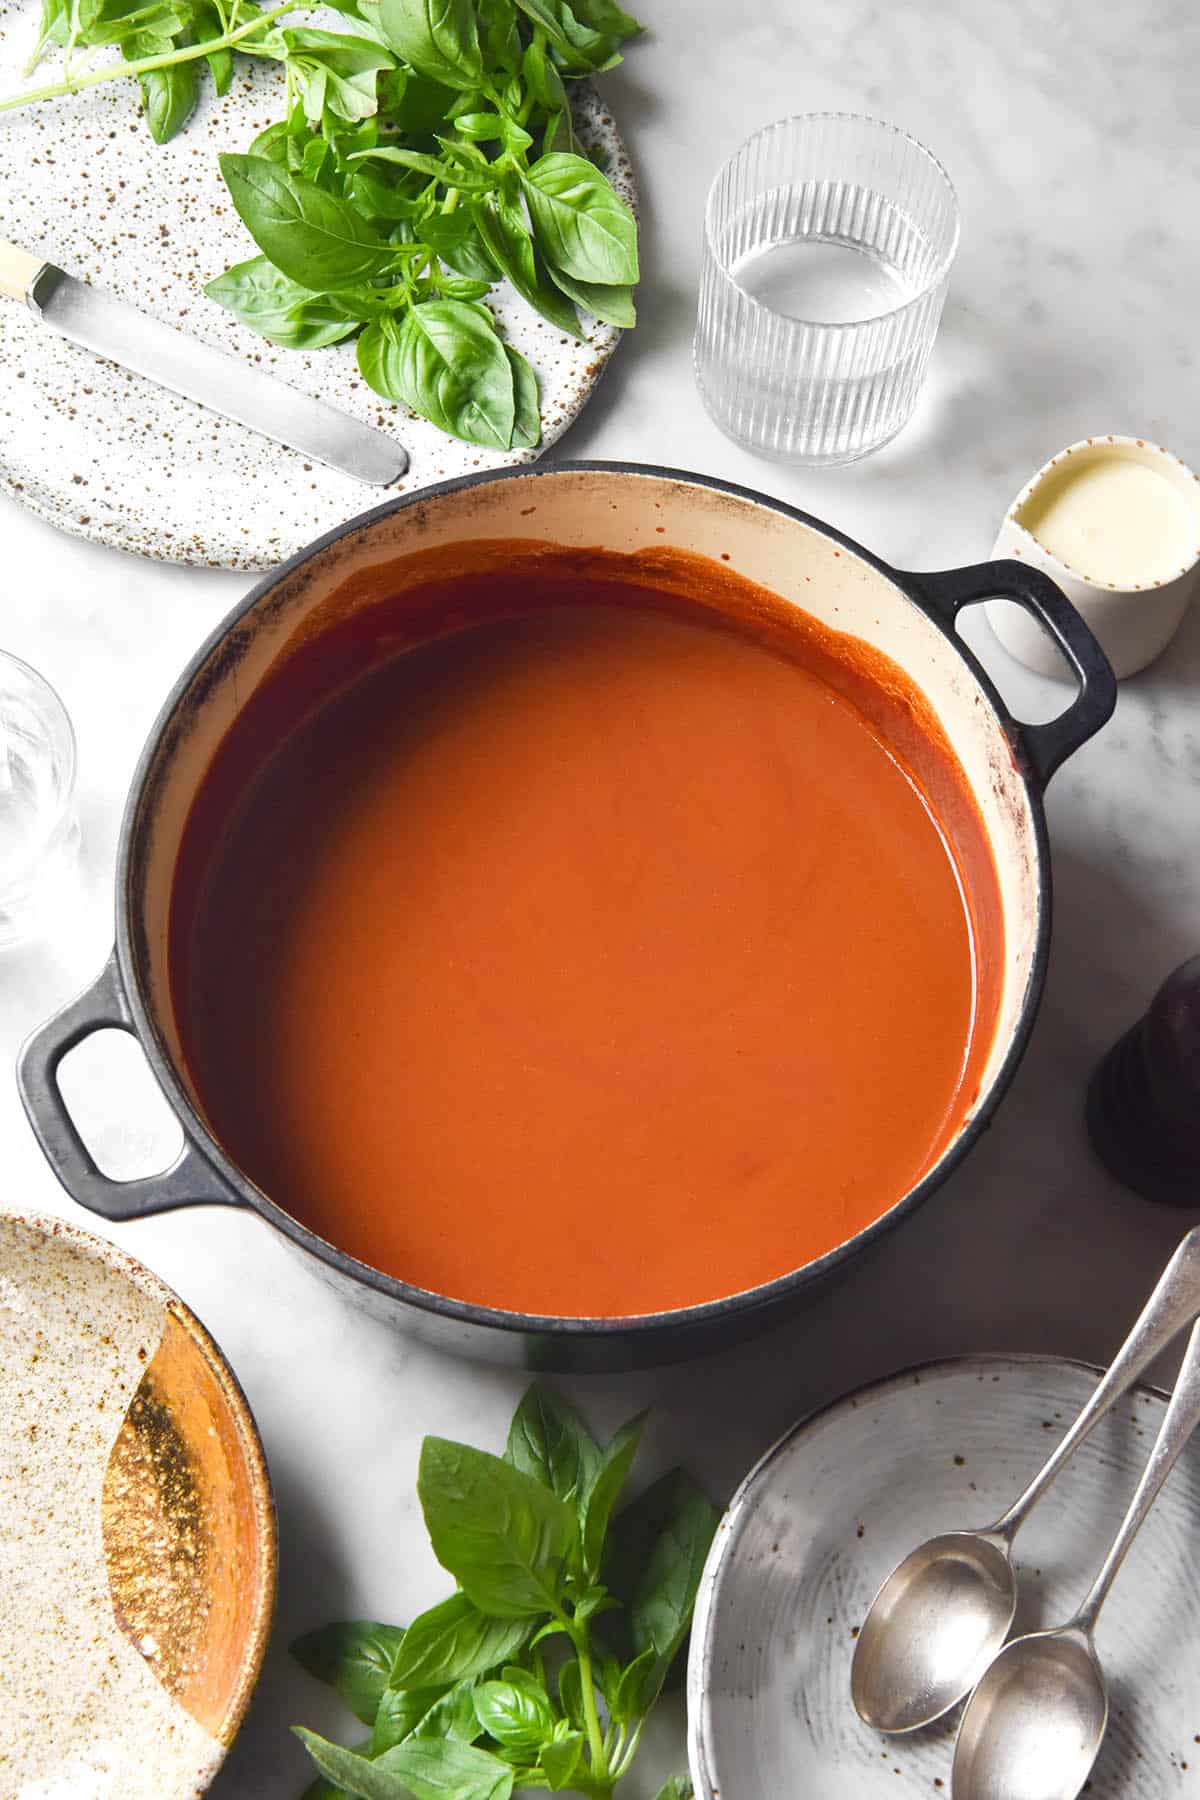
x: 828, y: 242
x: 39, y: 833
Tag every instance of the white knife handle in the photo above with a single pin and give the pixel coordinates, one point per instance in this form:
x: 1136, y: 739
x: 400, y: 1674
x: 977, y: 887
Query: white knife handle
x: 18, y: 271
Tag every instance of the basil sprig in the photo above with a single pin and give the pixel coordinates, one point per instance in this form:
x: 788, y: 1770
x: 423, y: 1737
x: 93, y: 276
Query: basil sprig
x: 427, y: 153
x: 540, y: 1669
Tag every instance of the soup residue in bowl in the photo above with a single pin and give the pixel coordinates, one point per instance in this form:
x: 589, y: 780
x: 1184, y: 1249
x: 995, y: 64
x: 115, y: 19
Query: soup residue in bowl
x: 613, y: 951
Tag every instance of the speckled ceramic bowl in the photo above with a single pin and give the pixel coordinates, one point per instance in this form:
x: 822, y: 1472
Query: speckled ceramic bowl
x: 137, y: 1529
x: 834, y: 1506
x: 105, y: 454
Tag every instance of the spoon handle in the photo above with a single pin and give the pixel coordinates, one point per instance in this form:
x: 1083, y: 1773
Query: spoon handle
x: 1180, y: 1421
x: 1174, y: 1303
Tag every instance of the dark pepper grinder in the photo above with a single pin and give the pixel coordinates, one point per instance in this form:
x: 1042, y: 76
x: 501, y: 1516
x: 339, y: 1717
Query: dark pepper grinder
x: 1143, y: 1103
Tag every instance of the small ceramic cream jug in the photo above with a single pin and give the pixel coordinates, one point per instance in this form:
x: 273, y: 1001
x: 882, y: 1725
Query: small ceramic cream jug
x: 1116, y: 522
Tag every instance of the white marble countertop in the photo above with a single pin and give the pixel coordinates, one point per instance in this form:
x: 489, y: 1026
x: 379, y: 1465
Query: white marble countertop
x: 1069, y: 132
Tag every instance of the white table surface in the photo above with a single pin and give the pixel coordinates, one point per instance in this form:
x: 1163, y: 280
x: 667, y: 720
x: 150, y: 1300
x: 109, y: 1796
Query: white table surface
x: 1070, y: 134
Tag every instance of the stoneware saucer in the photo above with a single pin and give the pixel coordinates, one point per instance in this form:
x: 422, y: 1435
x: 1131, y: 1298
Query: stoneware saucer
x: 137, y: 1530
x: 833, y: 1507
x: 107, y: 455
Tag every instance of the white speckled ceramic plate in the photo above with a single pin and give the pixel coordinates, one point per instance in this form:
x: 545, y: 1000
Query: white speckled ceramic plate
x: 109, y: 456
x: 137, y: 1532
x: 834, y: 1506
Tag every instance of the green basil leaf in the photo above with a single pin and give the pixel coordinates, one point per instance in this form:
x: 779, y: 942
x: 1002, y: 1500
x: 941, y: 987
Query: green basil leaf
x: 474, y: 181
x: 140, y: 30
x: 502, y: 1535
x: 342, y: 51
x: 320, y: 1789
x: 550, y: 1442
x: 605, y: 1488
x: 560, y: 1759
x: 439, y: 38
x: 442, y: 1769
x: 527, y: 417
x: 351, y: 97
x: 379, y: 197
x: 607, y: 1672
x: 401, y: 1711
x: 454, y: 1640
x: 445, y: 361
x: 480, y: 127
x: 314, y: 237
x: 317, y: 153
x: 420, y: 105
x: 263, y: 298
x: 559, y: 134
x: 500, y: 37
x: 431, y: 1769
x: 606, y: 16
x: 458, y: 287
x: 457, y: 243
x: 510, y: 246
x: 465, y: 157
x: 349, y: 1772
x: 518, y: 1716
x: 570, y: 1692
x: 313, y: 84
x: 636, y: 1530
x: 638, y: 1687
x: 55, y: 28
x: 581, y: 225
x: 354, y: 1658
x: 220, y: 66
x: 545, y: 82
x: 552, y: 1628
x: 594, y: 1601
x: 578, y: 45
x: 453, y: 1716
x: 169, y: 98
x: 678, y: 1788
x: 206, y: 25
x: 660, y: 1610
x: 272, y: 143
x: 612, y: 304
x: 590, y: 51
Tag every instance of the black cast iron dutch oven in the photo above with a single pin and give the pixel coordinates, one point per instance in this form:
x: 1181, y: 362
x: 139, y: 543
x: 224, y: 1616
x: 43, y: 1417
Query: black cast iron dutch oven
x: 622, y: 507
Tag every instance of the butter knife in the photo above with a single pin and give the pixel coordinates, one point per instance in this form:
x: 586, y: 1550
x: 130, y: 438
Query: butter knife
x: 98, y: 320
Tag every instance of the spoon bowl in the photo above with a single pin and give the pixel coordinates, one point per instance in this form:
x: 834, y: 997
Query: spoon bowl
x: 933, y: 1628
x: 1035, y: 1722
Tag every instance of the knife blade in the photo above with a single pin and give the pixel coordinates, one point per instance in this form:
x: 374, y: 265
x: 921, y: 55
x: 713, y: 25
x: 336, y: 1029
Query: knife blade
x: 112, y: 328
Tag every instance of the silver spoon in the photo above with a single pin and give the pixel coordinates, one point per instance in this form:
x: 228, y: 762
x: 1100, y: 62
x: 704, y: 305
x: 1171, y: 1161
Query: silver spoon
x: 943, y: 1613
x: 1034, y: 1724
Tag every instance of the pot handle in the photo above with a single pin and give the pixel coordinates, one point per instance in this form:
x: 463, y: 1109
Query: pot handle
x: 191, y: 1180
x: 1042, y: 747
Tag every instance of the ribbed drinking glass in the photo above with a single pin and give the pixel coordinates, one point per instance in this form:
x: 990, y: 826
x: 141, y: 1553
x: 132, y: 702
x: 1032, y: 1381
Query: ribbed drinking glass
x: 828, y: 243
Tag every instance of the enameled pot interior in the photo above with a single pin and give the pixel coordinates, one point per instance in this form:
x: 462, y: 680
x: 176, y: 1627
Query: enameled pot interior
x: 611, y: 509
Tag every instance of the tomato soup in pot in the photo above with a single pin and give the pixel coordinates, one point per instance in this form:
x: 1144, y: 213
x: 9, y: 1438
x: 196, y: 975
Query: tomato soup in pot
x: 584, y: 934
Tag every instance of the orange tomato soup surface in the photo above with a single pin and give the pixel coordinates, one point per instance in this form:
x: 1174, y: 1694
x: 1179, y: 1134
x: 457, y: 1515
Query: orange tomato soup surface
x: 583, y: 935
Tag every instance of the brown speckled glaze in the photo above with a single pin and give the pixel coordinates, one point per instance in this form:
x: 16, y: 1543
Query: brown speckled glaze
x: 147, y: 1544
x: 104, y: 453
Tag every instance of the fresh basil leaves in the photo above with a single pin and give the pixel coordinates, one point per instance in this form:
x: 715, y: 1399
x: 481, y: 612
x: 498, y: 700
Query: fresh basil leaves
x: 428, y: 152
x: 540, y: 1670
x: 355, y: 1658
